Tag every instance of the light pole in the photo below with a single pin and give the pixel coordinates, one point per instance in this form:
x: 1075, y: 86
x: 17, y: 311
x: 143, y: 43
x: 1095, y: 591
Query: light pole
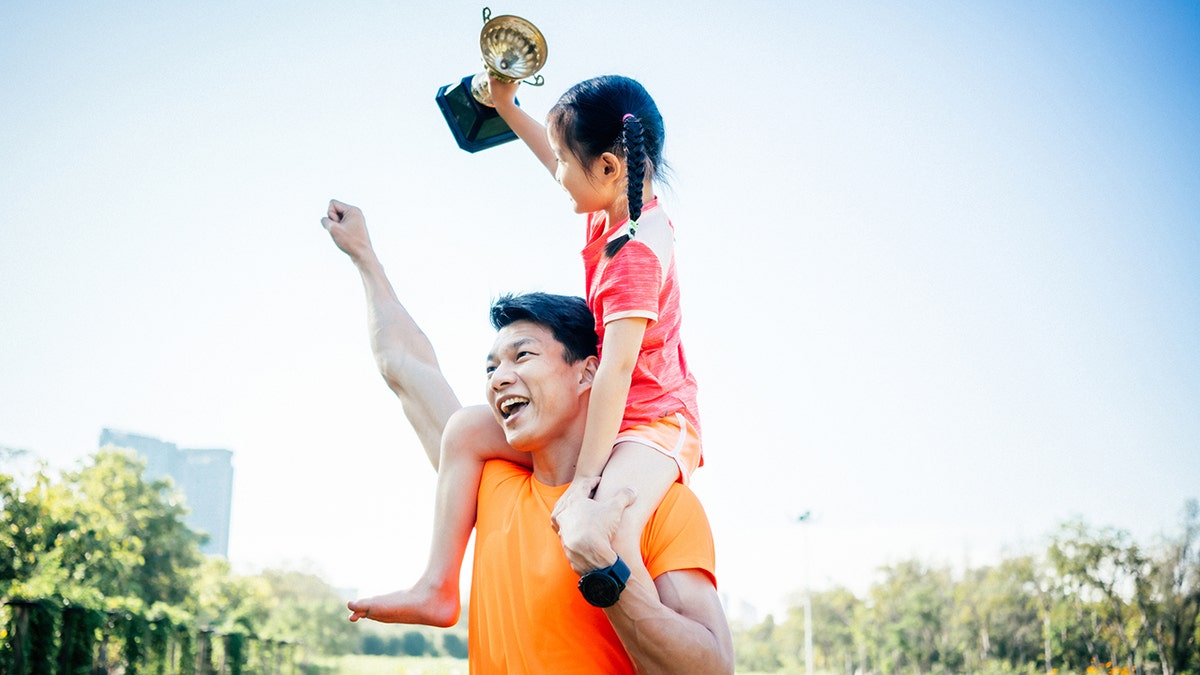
x: 806, y: 519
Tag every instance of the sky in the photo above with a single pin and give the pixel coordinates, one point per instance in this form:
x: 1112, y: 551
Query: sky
x: 940, y: 261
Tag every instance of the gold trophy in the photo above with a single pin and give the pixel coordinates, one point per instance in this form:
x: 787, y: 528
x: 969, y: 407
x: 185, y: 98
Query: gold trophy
x: 513, y: 49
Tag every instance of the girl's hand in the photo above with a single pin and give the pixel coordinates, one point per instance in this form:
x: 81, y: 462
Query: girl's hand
x: 504, y: 94
x: 581, y: 488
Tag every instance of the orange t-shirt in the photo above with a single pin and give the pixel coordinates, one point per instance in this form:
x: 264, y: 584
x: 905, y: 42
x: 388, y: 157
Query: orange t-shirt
x: 526, y: 613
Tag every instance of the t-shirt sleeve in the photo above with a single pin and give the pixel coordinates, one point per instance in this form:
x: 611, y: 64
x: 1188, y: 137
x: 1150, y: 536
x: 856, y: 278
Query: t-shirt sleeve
x: 678, y: 536
x: 631, y: 284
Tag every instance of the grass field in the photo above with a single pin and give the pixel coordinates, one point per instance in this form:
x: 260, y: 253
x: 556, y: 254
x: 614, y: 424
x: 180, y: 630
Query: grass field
x: 394, y: 665
x: 413, y: 665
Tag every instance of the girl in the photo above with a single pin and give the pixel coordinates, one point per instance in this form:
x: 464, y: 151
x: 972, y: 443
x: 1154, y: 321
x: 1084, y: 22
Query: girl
x: 603, y: 143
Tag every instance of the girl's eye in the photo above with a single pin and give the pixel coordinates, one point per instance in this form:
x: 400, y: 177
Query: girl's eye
x: 490, y: 370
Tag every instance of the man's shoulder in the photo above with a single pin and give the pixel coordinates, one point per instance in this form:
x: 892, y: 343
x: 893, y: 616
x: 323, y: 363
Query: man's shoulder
x: 679, y: 535
x: 680, y: 501
x: 497, y: 471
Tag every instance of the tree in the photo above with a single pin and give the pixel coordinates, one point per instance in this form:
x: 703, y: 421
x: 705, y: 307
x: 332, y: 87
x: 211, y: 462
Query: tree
x: 415, y: 643
x: 306, y: 609
x: 759, y: 650
x: 454, y: 645
x: 1102, y: 570
x: 125, y: 536
x: 100, y: 539
x: 36, y: 521
x: 834, y: 613
x: 373, y: 645
x: 908, y: 618
x: 995, y: 615
x: 1173, y: 597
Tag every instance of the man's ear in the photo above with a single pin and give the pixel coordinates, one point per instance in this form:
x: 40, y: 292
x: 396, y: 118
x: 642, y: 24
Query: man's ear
x: 588, y: 374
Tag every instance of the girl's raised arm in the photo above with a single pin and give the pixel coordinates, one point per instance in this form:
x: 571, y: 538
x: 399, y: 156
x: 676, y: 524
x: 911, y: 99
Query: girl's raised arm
x: 504, y: 96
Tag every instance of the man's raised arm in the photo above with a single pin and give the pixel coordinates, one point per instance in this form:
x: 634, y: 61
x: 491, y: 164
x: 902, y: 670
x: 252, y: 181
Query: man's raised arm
x: 403, y: 353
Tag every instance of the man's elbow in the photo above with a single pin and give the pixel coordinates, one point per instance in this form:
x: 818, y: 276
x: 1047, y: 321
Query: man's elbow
x: 392, y: 367
x: 724, y: 664
x: 719, y: 656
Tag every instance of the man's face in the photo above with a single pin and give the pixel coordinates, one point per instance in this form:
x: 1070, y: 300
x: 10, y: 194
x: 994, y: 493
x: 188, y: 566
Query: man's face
x: 533, y: 392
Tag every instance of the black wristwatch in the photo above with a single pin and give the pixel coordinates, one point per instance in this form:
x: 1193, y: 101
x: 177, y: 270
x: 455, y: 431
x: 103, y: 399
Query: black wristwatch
x: 602, y: 587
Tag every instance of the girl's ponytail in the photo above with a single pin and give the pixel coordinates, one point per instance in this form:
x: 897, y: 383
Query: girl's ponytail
x: 613, y: 114
x: 635, y: 175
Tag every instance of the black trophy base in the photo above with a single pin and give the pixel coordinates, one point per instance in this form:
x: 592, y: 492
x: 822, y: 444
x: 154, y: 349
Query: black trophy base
x: 475, y: 126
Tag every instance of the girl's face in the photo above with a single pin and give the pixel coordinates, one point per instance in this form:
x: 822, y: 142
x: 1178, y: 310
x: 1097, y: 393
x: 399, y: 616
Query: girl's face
x: 590, y: 187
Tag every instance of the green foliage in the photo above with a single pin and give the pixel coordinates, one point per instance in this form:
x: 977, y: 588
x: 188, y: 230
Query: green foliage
x: 1095, y: 602
x: 303, y: 608
x: 78, y: 639
x: 135, y: 631
x: 1171, y: 599
x: 114, y: 579
x: 187, y: 653
x: 415, y: 643
x: 158, y: 645
x: 41, y: 638
x: 130, y: 534
x: 101, y: 533
x: 761, y: 651
x: 235, y: 653
x: 373, y: 645
x: 453, y: 645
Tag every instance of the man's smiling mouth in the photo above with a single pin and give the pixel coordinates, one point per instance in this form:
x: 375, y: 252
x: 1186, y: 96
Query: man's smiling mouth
x: 509, y: 406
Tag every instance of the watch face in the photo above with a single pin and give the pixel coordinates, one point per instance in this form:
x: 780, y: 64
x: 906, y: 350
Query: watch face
x: 599, y: 590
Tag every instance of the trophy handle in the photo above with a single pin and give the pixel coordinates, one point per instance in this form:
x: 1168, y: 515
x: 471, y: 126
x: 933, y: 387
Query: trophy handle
x: 535, y: 82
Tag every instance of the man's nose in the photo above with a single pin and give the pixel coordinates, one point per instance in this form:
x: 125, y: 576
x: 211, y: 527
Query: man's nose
x: 502, y: 375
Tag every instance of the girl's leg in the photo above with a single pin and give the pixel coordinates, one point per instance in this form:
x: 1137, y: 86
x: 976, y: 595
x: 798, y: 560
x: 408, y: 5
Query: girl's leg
x: 471, y: 438
x: 650, y: 473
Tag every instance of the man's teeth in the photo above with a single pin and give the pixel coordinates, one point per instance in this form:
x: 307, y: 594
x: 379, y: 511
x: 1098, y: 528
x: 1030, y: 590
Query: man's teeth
x: 507, y: 405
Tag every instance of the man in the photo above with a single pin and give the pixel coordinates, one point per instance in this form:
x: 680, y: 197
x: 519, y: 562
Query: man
x: 526, y: 614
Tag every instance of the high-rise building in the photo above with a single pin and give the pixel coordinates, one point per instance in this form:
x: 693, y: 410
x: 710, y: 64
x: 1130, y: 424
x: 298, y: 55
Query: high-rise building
x: 203, y: 476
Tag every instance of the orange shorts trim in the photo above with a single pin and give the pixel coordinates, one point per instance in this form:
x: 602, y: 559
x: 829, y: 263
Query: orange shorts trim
x: 673, y: 437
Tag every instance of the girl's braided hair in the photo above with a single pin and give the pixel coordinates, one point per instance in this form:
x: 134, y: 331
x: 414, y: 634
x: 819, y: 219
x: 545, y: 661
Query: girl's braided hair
x: 613, y: 114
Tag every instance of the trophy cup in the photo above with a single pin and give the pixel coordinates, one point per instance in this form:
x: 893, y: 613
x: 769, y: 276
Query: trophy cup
x: 513, y: 49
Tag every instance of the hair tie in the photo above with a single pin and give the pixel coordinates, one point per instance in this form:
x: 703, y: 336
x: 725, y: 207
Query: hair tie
x: 627, y: 116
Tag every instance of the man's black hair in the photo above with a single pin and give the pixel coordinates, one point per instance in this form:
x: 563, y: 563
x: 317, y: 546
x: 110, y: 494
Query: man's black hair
x: 566, y: 317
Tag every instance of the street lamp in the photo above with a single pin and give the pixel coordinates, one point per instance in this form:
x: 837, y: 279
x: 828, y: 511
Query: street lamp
x: 806, y: 519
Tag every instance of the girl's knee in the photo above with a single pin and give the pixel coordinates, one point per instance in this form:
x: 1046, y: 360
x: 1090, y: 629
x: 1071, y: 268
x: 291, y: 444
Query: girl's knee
x: 473, y: 432
x: 468, y: 423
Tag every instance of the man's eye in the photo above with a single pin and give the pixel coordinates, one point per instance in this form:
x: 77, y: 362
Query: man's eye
x: 521, y: 355
x: 490, y: 370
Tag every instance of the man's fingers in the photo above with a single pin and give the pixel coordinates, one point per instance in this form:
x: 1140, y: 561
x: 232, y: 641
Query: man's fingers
x: 625, y: 497
x: 336, y: 210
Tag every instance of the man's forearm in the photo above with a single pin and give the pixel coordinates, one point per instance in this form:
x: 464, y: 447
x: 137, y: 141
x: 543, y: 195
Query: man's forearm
x: 661, y: 639
x: 406, y: 358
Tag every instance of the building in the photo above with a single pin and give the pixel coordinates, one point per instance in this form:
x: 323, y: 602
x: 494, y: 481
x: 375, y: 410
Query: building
x: 204, y: 477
